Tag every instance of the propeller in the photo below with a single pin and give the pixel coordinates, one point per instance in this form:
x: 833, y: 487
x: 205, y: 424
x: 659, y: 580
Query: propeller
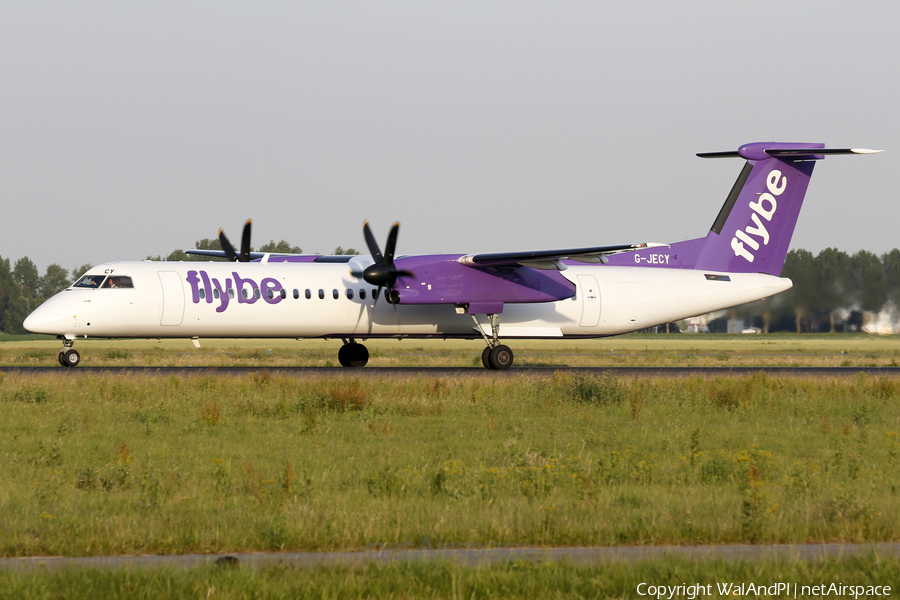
x: 383, y: 273
x: 229, y: 250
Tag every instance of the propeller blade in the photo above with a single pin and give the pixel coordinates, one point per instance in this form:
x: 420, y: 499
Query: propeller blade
x: 374, y: 250
x: 391, y: 244
x: 227, y: 248
x: 245, y: 242
x: 377, y: 295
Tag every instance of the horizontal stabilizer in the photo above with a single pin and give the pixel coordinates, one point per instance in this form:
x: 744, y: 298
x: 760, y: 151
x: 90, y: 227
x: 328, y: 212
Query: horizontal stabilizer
x: 821, y: 151
x: 732, y: 154
x: 762, y: 150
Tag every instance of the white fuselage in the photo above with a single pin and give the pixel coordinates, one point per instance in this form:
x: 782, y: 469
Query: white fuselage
x: 164, y: 303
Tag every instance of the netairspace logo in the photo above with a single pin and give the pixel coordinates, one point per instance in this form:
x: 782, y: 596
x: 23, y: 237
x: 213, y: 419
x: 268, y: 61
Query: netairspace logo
x: 784, y: 590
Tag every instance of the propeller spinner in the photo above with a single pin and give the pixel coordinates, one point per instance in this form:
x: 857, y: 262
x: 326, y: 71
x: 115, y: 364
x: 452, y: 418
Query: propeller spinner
x: 229, y: 250
x: 383, y: 273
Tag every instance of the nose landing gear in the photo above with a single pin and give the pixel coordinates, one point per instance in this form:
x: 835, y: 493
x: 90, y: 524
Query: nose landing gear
x: 496, y: 356
x: 68, y: 356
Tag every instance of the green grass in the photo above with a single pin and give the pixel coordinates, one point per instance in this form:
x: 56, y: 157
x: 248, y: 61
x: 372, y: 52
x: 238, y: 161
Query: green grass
x: 629, y: 350
x: 97, y: 465
x: 25, y: 337
x: 445, y: 580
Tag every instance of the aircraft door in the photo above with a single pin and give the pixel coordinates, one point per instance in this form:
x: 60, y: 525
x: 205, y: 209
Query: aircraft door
x: 173, y: 298
x: 590, y: 300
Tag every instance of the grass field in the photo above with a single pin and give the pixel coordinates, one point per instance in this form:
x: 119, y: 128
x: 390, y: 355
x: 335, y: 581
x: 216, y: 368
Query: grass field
x: 104, y: 464
x: 629, y: 350
x: 446, y: 580
x: 118, y: 464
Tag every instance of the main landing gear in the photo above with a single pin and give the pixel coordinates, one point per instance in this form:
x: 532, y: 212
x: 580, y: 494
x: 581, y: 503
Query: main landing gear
x: 68, y: 356
x: 352, y: 354
x: 496, y: 356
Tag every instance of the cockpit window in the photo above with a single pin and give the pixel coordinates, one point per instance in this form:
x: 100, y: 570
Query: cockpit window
x: 118, y: 281
x: 90, y: 281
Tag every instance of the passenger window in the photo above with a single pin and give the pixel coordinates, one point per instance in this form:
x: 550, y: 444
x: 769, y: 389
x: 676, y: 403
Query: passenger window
x: 349, y: 294
x: 231, y: 293
x: 89, y: 281
x: 296, y: 294
x: 283, y: 294
x: 335, y: 294
x: 375, y: 294
x: 244, y: 293
x: 256, y: 294
x: 321, y: 294
x: 216, y: 293
x: 362, y: 294
x: 203, y: 293
x: 308, y: 294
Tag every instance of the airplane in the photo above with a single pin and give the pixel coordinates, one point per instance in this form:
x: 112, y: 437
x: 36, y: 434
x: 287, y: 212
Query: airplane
x: 587, y: 292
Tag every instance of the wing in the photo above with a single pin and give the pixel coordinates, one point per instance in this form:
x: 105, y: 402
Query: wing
x: 550, y: 259
x: 216, y: 253
x: 223, y: 254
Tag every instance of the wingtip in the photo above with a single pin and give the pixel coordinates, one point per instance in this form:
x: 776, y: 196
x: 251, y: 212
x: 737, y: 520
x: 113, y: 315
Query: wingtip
x: 864, y: 151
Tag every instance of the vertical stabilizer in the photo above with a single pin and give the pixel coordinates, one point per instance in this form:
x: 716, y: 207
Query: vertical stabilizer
x: 752, y: 232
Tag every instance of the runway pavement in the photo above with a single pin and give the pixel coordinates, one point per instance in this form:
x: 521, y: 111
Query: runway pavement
x: 469, y: 557
x: 462, y: 372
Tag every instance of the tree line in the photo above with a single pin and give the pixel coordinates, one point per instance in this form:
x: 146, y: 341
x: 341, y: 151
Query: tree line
x: 833, y: 290
x: 23, y: 288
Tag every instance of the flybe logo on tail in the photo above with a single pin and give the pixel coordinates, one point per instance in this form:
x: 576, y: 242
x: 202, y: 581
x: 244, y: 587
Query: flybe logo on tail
x: 764, y: 207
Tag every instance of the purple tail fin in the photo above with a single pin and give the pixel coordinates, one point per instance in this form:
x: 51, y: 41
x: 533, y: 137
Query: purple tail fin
x: 752, y: 232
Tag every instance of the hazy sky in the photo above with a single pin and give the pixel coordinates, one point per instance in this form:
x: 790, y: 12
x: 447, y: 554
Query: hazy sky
x: 129, y: 129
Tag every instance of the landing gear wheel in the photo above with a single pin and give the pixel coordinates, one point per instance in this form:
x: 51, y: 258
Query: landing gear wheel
x: 353, y: 355
x: 485, y: 357
x: 359, y: 355
x: 62, y: 358
x: 70, y: 358
x: 500, y: 357
x: 343, y: 355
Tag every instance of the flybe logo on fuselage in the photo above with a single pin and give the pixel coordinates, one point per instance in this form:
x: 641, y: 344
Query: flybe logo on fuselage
x: 764, y: 207
x: 245, y: 290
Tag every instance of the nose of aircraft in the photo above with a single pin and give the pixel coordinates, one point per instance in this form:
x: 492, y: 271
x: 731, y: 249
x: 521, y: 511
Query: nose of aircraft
x: 40, y: 321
